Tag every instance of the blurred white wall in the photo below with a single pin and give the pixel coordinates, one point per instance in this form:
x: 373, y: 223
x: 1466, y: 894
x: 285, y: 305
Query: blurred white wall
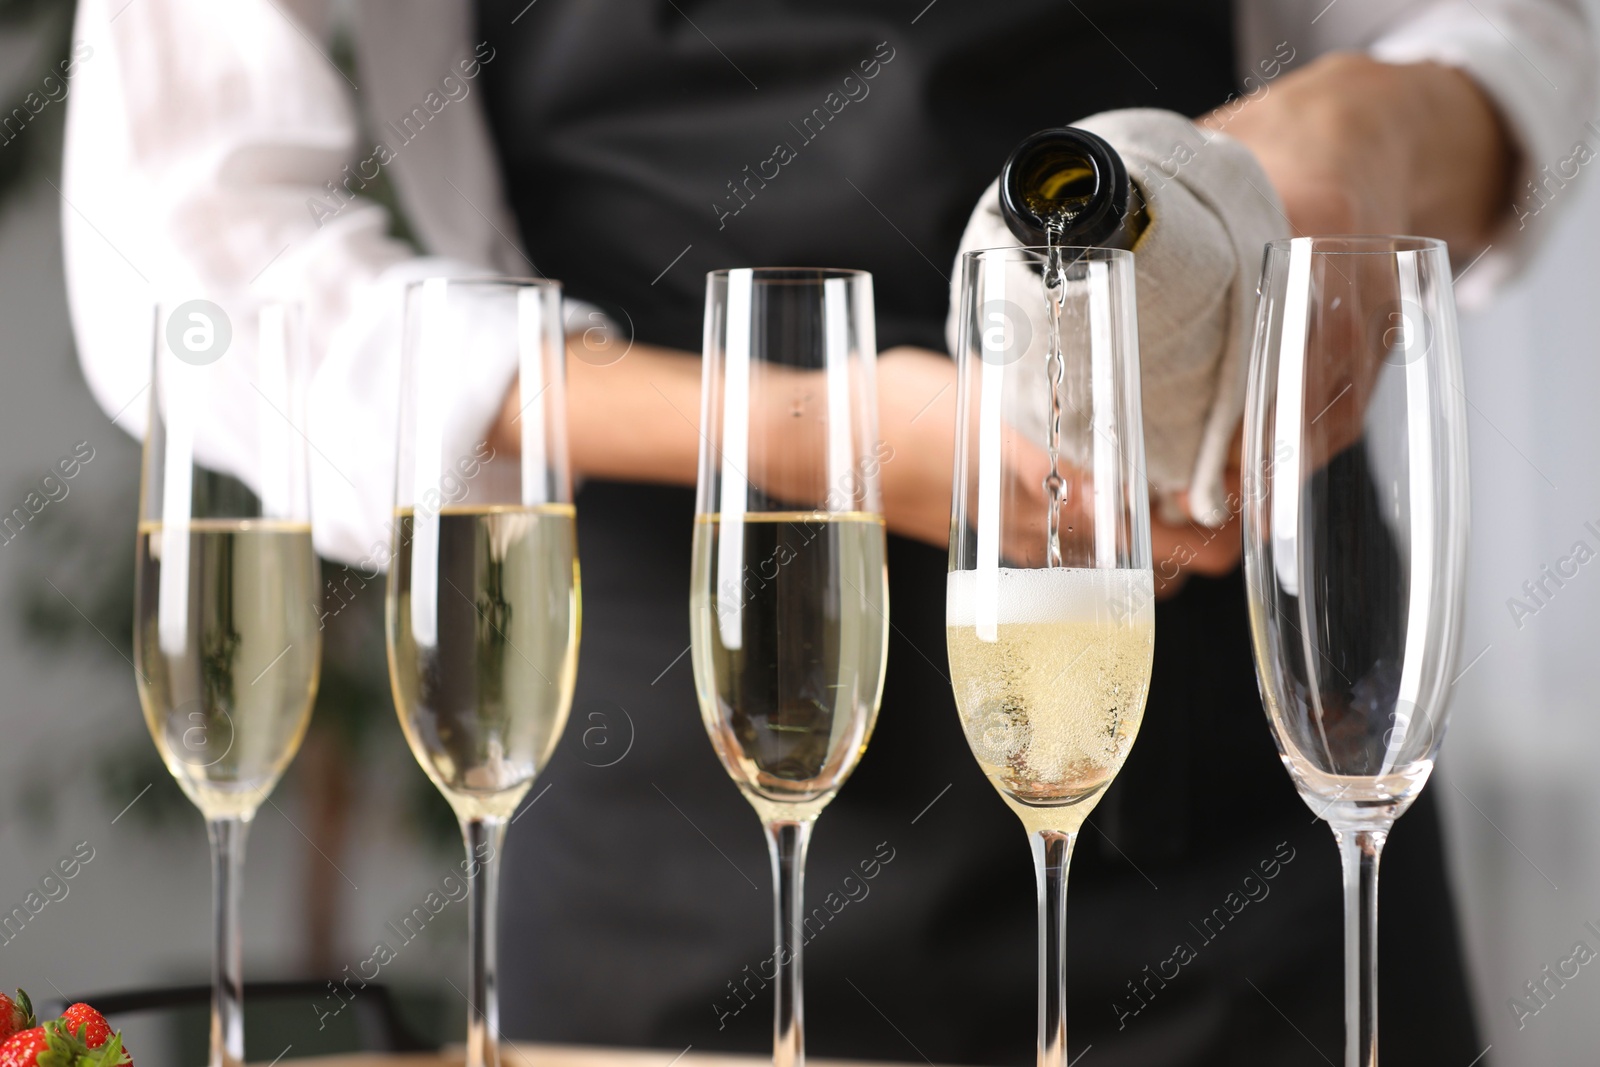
x: 1521, y: 770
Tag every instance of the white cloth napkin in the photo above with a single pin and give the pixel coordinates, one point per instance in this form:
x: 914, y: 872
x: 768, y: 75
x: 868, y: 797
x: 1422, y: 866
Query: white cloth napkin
x: 1197, y: 266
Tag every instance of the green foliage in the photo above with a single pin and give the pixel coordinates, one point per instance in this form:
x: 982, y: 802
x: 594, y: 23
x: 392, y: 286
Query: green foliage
x: 39, y: 151
x: 123, y: 768
x: 76, y: 596
x: 29, y: 11
x: 76, y: 585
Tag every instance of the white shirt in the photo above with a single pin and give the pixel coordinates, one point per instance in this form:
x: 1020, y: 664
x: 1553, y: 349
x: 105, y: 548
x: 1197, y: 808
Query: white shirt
x: 201, y: 134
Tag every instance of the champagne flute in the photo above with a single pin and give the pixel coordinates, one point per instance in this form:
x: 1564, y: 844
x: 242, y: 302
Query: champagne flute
x: 227, y: 638
x: 1355, y: 528
x: 483, y: 598
x: 1050, y: 598
x: 788, y: 603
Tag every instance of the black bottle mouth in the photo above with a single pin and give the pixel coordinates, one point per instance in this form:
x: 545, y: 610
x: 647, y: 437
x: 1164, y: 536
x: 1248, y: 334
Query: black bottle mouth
x: 1065, y: 178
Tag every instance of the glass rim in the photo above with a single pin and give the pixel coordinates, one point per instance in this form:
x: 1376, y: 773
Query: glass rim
x: 487, y: 280
x: 1092, y: 252
x: 1359, y: 244
x: 781, y: 275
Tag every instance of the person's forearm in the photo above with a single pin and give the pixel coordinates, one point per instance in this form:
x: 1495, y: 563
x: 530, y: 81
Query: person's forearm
x: 1353, y: 145
x: 636, y: 419
x: 632, y: 413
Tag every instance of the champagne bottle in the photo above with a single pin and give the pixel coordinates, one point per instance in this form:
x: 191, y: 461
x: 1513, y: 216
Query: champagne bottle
x: 1068, y: 187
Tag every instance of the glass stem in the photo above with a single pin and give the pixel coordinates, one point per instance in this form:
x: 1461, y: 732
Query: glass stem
x: 1359, y: 851
x: 484, y: 838
x: 227, y: 972
x: 1052, y: 854
x: 787, y: 842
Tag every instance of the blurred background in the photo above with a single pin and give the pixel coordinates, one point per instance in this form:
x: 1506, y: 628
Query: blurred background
x: 353, y: 838
x: 356, y: 837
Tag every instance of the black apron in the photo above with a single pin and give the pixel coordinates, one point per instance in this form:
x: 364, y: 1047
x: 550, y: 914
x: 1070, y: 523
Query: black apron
x: 644, y: 143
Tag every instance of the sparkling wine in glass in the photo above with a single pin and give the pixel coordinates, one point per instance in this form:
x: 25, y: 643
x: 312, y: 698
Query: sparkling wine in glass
x: 788, y: 604
x: 1049, y: 610
x: 1355, y: 540
x: 227, y: 638
x: 483, y: 597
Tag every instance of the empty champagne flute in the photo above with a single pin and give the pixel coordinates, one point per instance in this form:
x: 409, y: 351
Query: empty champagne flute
x: 1049, y: 611
x: 789, y: 596
x: 227, y: 639
x: 1355, y: 538
x: 483, y: 598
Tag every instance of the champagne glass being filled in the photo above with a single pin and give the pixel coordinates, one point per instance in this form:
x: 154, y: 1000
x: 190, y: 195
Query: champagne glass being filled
x: 227, y: 640
x: 1355, y: 538
x: 483, y: 598
x: 1049, y: 608
x: 789, y: 597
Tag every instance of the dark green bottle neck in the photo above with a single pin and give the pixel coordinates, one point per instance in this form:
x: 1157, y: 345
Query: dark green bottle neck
x: 1069, y: 187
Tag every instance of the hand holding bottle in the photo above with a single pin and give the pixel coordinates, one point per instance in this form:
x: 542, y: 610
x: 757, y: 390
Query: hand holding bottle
x: 1208, y: 208
x: 916, y: 418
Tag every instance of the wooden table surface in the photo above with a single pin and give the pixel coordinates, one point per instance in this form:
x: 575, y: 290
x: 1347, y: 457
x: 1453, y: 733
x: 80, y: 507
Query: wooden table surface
x: 565, y: 1056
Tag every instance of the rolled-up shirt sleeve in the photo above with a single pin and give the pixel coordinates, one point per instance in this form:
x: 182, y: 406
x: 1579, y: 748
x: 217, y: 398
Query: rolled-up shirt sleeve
x: 201, y: 141
x: 1536, y: 60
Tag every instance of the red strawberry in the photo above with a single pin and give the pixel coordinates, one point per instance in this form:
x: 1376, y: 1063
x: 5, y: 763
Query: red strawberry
x: 15, y: 1015
x: 52, y: 1045
x: 86, y: 1024
x: 23, y: 1049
